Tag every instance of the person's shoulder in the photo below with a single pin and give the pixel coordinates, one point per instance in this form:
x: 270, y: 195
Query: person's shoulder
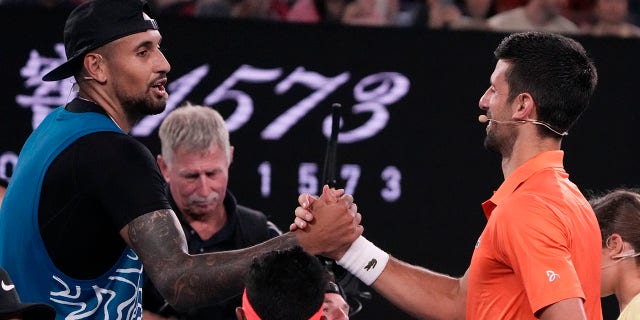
x: 245, y: 211
x: 632, y: 310
x: 104, y: 141
x: 506, y: 16
x: 107, y: 138
x: 565, y: 25
x: 114, y: 149
x: 256, y: 218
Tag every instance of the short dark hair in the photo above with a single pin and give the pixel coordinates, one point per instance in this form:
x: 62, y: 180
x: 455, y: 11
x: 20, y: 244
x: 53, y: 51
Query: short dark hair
x: 286, y: 285
x: 619, y: 212
x: 555, y: 70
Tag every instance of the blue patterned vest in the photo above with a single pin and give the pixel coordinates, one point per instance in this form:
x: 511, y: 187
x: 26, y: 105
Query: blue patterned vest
x: 116, y: 294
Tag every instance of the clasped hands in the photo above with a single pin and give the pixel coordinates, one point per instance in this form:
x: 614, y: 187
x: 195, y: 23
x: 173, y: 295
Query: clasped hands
x: 327, y: 225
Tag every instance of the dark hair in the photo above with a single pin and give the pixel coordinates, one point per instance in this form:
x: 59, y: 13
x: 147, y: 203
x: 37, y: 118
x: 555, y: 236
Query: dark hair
x: 555, y: 70
x: 619, y: 212
x: 286, y: 285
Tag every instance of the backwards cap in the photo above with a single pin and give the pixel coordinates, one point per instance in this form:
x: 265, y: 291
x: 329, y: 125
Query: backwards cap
x: 96, y: 23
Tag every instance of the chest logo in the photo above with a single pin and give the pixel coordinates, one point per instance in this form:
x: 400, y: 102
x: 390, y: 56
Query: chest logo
x: 552, y: 275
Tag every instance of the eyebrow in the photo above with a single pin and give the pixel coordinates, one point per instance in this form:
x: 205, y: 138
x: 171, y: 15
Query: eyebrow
x: 146, y: 43
x: 149, y: 43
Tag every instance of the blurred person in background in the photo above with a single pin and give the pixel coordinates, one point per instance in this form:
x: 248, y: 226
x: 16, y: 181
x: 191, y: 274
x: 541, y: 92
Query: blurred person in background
x: 371, y: 12
x: 317, y: 11
x: 474, y: 15
x: 433, y: 14
x: 242, y: 9
x: 618, y: 214
x: 536, y: 15
x: 47, y: 4
x: 611, y: 18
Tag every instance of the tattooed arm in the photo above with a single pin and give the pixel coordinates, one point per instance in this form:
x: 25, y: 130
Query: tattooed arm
x: 188, y: 281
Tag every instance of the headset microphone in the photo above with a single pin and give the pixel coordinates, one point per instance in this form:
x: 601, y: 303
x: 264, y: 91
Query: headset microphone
x: 484, y: 119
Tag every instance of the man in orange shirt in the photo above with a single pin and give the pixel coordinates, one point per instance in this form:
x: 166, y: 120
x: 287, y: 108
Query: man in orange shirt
x: 538, y: 256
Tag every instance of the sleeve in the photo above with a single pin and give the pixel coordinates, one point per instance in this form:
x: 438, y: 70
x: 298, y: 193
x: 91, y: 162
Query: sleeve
x: 537, y: 248
x: 125, y: 178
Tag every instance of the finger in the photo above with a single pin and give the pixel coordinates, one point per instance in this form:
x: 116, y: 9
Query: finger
x: 338, y: 192
x: 293, y: 227
x: 359, y: 231
x: 357, y: 218
x: 306, y: 200
x: 300, y: 223
x: 303, y: 214
x: 347, y: 199
x: 353, y: 209
x: 302, y: 199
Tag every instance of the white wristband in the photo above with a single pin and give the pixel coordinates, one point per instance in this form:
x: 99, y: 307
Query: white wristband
x: 364, y: 260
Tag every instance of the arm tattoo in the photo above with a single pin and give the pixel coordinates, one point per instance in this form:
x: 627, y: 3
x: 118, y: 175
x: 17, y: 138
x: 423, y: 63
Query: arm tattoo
x: 185, y: 280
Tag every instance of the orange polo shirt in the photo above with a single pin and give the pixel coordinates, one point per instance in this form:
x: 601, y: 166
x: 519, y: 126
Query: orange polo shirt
x: 541, y: 244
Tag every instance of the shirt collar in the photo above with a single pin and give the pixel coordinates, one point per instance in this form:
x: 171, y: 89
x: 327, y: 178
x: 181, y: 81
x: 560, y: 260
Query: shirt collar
x: 544, y: 160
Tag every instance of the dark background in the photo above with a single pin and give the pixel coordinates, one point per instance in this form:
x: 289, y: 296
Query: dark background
x: 431, y: 136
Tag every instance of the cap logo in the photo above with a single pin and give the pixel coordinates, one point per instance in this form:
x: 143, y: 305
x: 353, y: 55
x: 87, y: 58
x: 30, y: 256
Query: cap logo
x: 7, y: 287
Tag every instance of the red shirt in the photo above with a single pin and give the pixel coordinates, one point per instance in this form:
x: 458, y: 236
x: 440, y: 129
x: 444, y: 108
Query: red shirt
x: 542, y: 244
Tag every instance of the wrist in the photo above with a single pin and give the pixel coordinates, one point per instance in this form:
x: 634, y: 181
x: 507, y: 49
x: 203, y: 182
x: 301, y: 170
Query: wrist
x: 364, y: 260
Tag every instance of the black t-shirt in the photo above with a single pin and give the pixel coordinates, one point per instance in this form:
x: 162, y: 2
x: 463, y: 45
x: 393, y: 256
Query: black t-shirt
x: 245, y: 227
x: 95, y: 187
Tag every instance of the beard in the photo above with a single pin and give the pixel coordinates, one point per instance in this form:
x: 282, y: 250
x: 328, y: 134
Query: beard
x: 500, y: 141
x: 142, y: 106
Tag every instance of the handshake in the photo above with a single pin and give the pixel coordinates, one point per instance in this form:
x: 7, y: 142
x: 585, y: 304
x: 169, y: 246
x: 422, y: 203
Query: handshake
x: 329, y: 226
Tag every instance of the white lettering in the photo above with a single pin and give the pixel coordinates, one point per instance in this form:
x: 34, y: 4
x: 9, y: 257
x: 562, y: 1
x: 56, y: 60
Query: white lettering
x: 313, y: 80
x: 393, y: 190
x: 264, y: 169
x: 244, y: 102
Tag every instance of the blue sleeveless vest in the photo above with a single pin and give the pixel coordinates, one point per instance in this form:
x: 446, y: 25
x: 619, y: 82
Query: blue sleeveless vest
x: 116, y: 294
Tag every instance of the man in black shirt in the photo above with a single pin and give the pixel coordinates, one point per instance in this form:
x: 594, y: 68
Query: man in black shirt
x: 195, y: 160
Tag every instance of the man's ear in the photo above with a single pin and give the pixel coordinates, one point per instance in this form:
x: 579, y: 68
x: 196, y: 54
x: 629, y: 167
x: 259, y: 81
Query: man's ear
x: 240, y: 314
x: 231, y: 148
x: 95, y: 67
x: 614, y: 244
x: 525, y: 107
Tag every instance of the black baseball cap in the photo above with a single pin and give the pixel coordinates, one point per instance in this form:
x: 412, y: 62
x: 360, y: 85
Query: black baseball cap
x: 96, y: 23
x: 10, y: 304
